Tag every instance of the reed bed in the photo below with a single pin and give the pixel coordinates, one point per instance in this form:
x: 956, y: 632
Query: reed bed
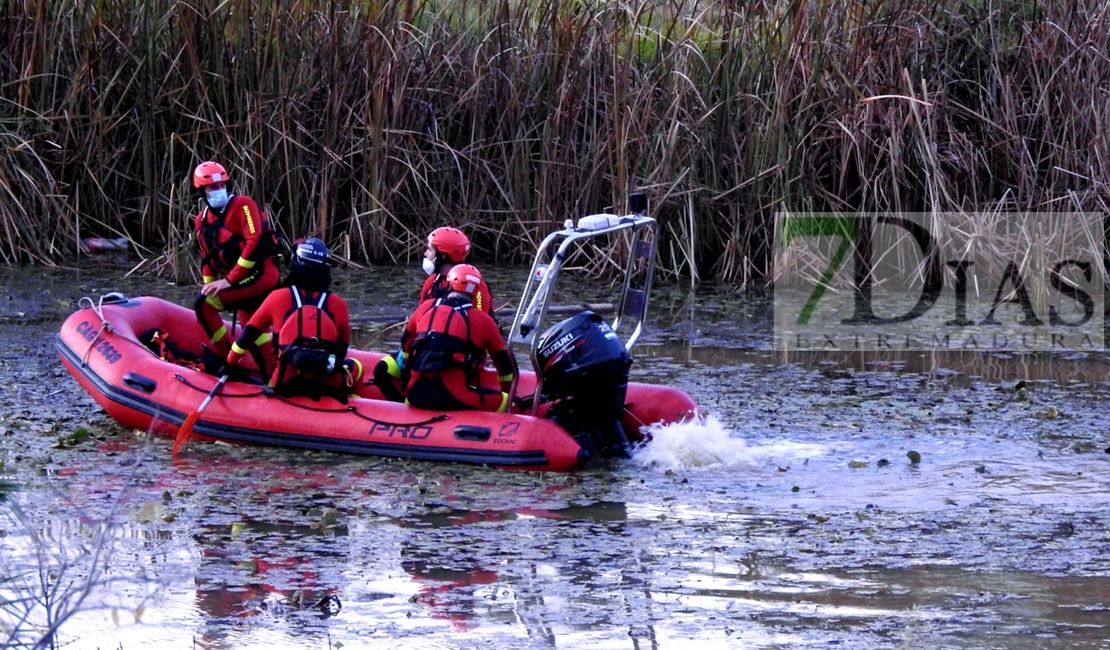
x: 368, y: 124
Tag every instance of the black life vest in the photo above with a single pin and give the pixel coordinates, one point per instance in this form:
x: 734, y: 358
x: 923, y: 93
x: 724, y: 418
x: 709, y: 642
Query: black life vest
x: 440, y: 288
x: 225, y: 255
x: 448, y: 346
x: 308, y: 338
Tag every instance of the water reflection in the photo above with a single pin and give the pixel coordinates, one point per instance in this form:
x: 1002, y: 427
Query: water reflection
x: 972, y: 367
x: 253, y: 568
x: 448, y: 554
x: 449, y: 572
x: 776, y: 526
x: 926, y: 606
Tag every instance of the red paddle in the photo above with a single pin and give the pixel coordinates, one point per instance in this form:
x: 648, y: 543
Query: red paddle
x: 187, y: 425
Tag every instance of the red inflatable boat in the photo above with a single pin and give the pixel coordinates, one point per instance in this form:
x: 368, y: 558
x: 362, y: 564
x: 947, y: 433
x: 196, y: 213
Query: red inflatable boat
x: 583, y: 405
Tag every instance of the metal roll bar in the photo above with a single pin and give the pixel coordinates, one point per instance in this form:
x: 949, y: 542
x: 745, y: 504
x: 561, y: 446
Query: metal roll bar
x: 530, y: 321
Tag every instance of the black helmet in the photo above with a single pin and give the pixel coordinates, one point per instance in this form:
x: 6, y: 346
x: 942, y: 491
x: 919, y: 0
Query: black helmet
x: 311, y: 257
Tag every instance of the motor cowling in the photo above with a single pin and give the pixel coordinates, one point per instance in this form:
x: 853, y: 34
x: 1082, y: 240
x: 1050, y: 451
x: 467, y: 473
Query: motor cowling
x: 584, y: 366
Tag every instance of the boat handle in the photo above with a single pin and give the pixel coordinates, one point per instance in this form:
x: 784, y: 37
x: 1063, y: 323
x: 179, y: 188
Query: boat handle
x: 135, y: 380
x: 471, y: 432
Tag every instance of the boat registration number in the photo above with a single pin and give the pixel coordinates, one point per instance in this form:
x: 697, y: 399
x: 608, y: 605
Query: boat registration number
x: 88, y: 331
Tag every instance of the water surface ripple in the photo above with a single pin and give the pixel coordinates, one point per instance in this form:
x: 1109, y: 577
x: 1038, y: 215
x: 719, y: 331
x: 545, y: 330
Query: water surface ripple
x: 792, y: 517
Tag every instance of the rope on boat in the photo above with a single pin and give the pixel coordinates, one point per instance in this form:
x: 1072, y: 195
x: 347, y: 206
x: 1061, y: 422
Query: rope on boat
x: 628, y: 412
x: 98, y: 308
x: 181, y: 378
x: 355, y: 411
x: 314, y: 409
x: 434, y: 418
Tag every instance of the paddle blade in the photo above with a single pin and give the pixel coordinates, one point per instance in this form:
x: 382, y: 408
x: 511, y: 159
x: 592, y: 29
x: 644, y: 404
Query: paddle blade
x: 184, y: 431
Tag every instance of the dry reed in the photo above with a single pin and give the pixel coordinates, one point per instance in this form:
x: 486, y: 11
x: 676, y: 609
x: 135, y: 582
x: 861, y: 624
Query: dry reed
x: 370, y: 123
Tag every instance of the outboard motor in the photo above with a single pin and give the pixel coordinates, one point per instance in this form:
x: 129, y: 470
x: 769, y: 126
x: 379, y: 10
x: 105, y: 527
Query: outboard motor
x: 584, y: 367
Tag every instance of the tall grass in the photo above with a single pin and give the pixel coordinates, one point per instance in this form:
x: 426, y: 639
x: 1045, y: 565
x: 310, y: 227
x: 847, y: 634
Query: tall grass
x: 370, y: 123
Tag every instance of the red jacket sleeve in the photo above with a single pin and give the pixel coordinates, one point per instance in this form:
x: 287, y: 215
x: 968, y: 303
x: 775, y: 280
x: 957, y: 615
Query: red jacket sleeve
x: 483, y: 300
x: 408, y: 336
x: 246, y: 220
x: 426, y: 289
x: 339, y: 311
x: 488, y: 336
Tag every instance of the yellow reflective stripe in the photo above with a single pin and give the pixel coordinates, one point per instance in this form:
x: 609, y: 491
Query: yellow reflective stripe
x: 504, y: 377
x: 215, y: 301
x: 263, y: 339
x: 220, y: 334
x: 236, y: 349
x: 504, y: 408
x: 245, y: 263
x: 250, y: 219
x: 391, y: 366
x: 209, y: 278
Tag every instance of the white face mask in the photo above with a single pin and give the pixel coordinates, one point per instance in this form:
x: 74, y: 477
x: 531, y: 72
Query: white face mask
x: 217, y: 199
x: 429, y: 266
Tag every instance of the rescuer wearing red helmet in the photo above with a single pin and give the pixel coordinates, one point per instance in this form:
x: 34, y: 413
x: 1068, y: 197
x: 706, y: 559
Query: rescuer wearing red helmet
x: 446, y: 342
x: 237, y: 248
x: 447, y: 247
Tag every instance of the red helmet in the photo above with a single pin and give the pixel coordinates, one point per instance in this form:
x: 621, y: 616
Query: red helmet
x: 209, y: 173
x: 464, y: 278
x: 450, y: 243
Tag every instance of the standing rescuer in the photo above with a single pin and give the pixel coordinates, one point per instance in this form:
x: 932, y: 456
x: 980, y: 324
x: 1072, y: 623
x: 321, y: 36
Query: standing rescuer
x: 446, y: 343
x: 237, y: 249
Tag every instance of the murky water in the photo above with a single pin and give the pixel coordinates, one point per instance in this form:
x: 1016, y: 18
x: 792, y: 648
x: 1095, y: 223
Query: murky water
x: 793, y: 517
